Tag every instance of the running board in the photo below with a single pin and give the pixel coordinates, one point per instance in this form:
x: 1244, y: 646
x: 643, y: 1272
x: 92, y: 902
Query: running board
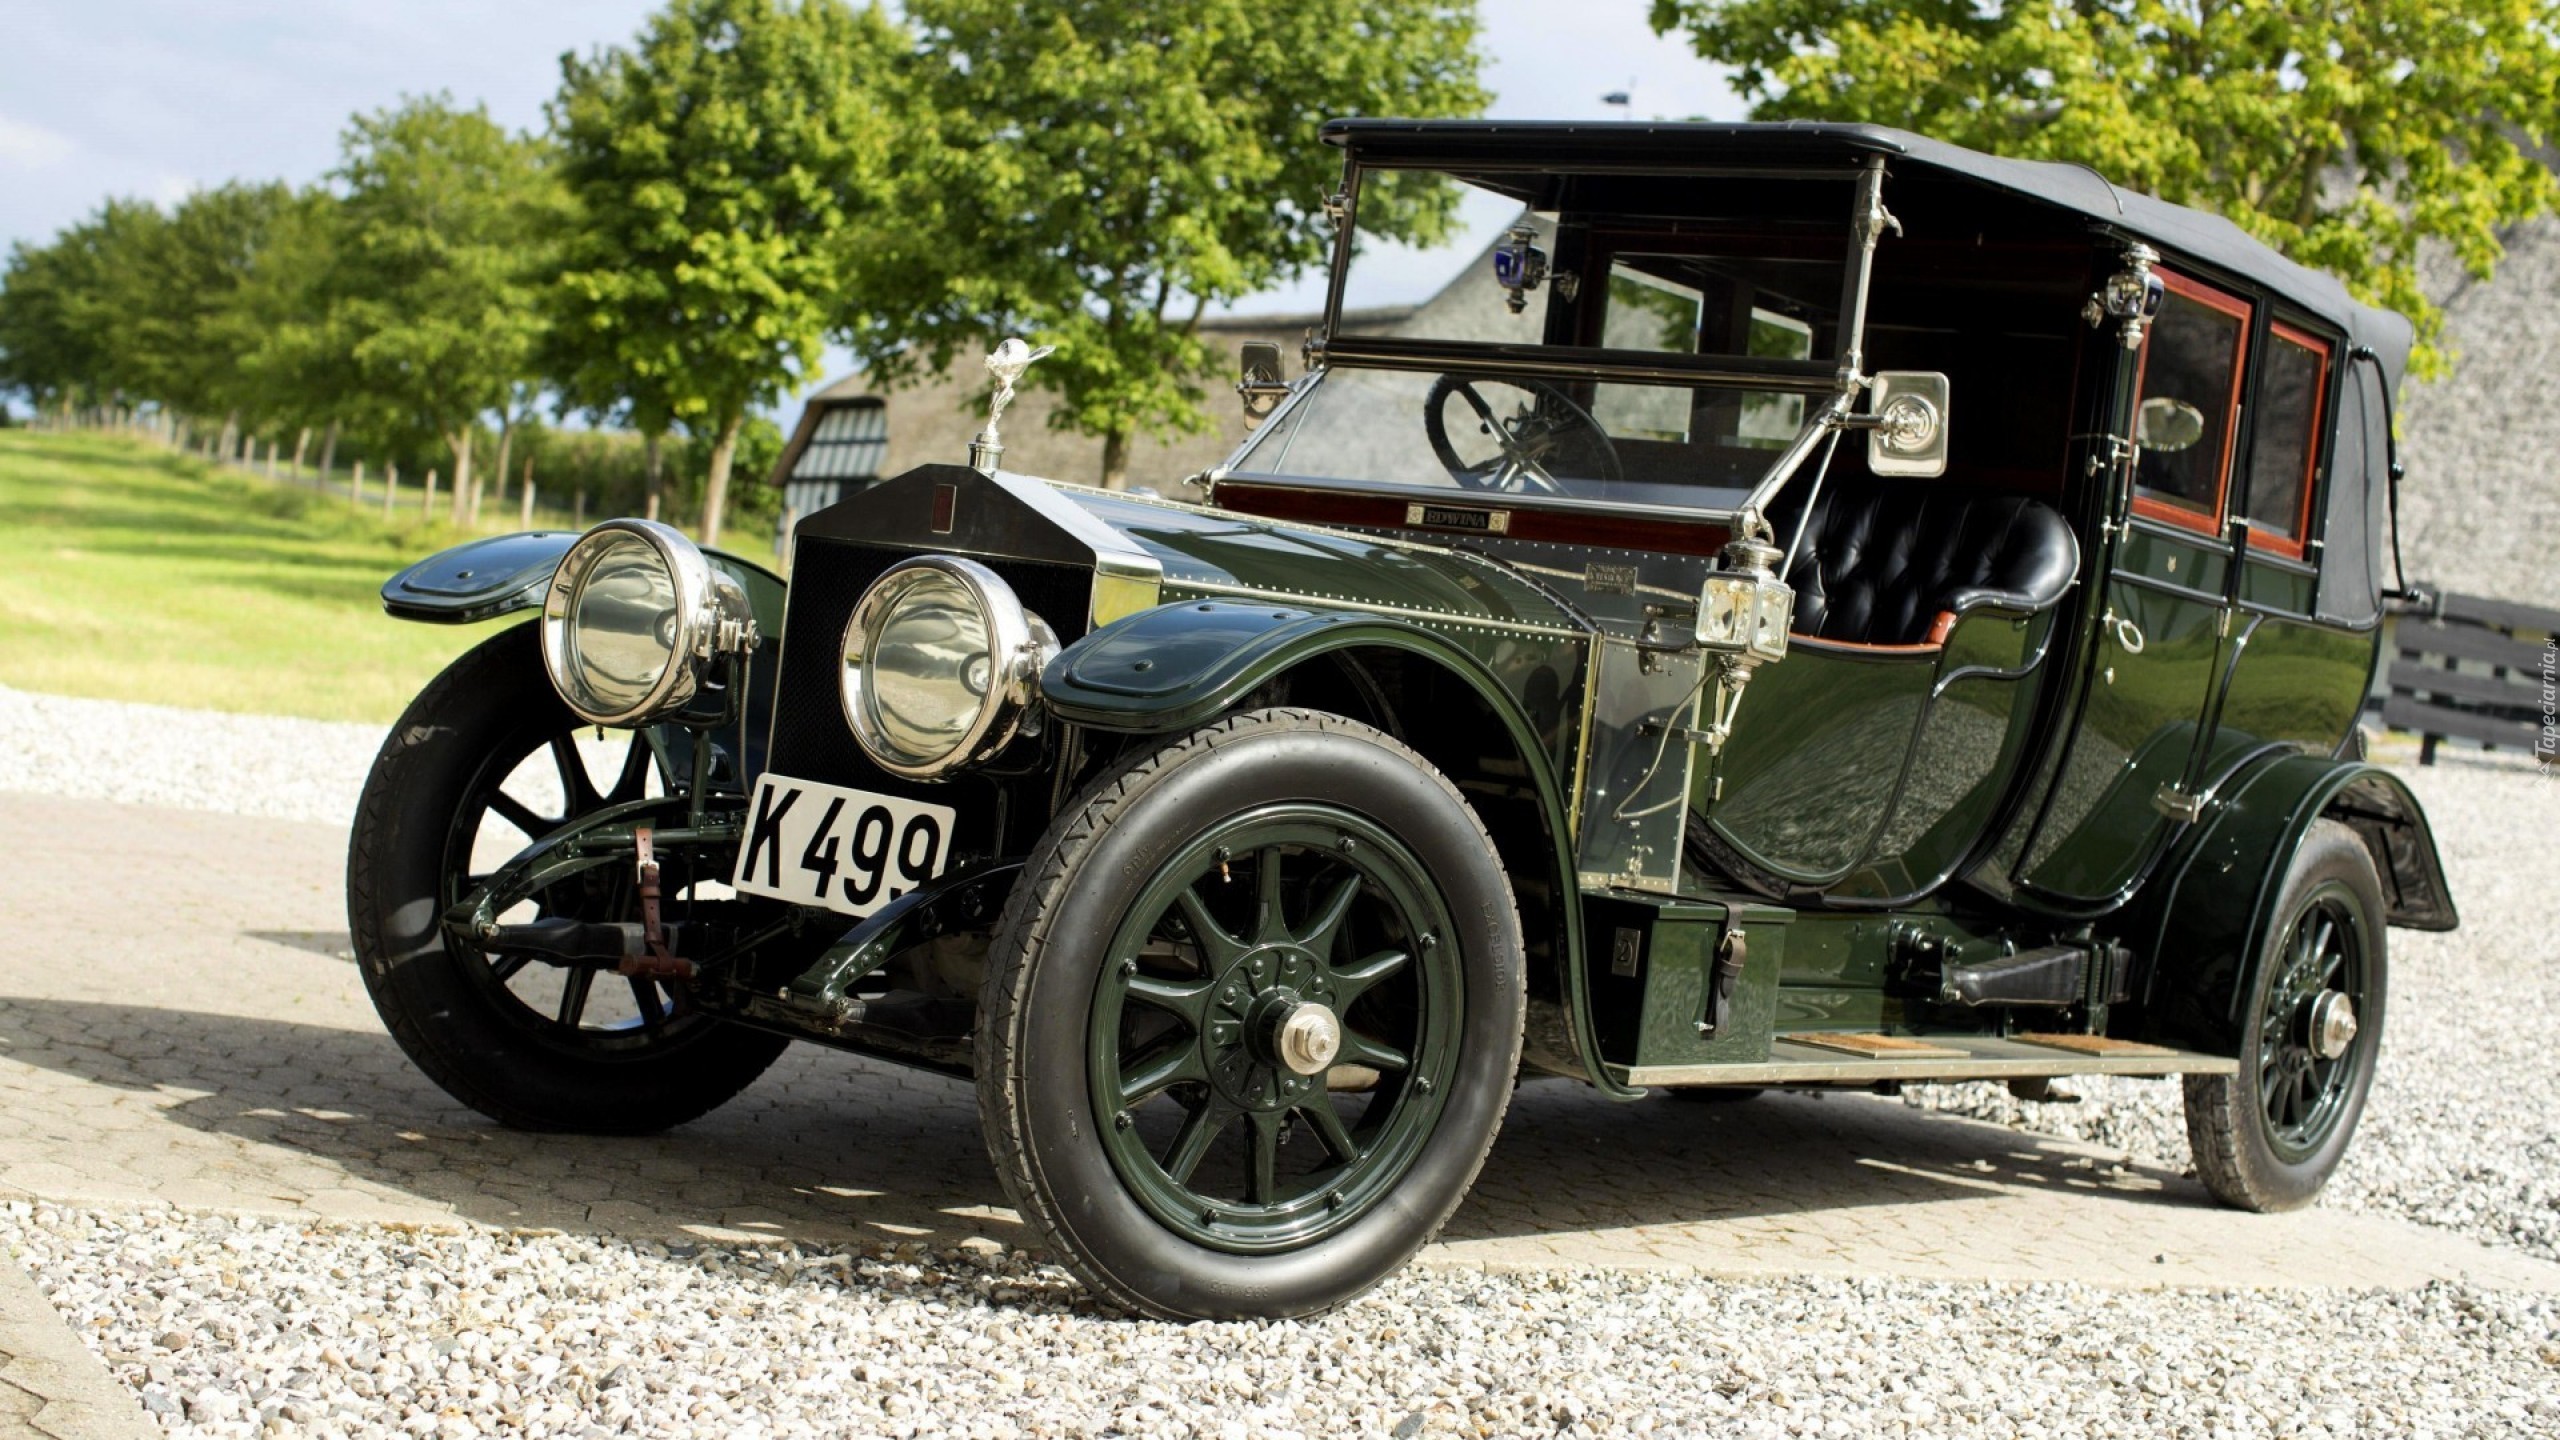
x: 1950, y: 1057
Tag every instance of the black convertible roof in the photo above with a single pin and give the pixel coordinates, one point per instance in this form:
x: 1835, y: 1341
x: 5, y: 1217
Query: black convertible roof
x: 1708, y: 148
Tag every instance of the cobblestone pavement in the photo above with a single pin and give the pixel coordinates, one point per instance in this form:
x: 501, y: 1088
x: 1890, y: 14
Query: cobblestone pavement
x: 51, y: 1386
x: 180, y: 1024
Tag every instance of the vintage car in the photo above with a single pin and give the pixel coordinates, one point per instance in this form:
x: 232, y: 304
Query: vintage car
x: 1545, y: 689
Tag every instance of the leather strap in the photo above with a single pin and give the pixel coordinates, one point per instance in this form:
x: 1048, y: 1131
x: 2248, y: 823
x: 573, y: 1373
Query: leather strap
x: 657, y: 962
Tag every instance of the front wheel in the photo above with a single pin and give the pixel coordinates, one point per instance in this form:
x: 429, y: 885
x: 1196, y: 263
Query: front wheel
x: 486, y: 760
x: 2268, y: 1137
x: 1251, y: 1019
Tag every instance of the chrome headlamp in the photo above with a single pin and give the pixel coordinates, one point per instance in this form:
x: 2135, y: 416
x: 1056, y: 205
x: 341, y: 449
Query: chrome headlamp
x: 940, y: 665
x: 634, y: 617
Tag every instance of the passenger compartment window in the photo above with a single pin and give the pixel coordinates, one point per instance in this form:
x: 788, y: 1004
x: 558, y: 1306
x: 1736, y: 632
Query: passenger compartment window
x: 2293, y: 386
x: 1657, y: 317
x: 1651, y: 314
x: 2190, y: 369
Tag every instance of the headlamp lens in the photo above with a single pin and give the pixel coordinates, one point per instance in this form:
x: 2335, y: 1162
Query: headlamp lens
x: 622, y: 625
x: 927, y: 667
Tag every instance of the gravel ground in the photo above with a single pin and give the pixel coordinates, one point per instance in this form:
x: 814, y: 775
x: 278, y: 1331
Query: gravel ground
x: 229, y: 1326
x: 2459, y: 1130
x: 267, y: 765
x: 238, y: 1327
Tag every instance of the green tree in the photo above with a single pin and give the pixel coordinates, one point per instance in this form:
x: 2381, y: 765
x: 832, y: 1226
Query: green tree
x: 727, y: 168
x: 175, y: 293
x: 2345, y: 133
x: 287, y: 348
x: 444, y: 231
x: 1109, y: 169
x: 48, y: 297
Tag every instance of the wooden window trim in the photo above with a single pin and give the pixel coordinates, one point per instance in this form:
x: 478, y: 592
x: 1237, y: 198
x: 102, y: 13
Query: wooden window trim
x: 2201, y: 522
x: 2299, y: 545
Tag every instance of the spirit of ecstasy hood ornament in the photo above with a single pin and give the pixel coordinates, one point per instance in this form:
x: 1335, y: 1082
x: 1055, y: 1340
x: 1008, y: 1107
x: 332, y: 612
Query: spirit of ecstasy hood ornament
x: 1006, y: 362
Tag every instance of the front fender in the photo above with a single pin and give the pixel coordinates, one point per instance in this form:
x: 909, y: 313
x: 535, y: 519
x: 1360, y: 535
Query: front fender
x: 1179, y: 666
x: 2207, y: 924
x: 484, y: 579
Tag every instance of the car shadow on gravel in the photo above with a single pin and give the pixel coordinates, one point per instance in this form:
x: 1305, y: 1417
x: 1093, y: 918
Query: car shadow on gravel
x: 830, y: 1147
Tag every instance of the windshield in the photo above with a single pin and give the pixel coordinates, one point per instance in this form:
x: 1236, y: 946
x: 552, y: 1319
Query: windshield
x: 1612, y: 442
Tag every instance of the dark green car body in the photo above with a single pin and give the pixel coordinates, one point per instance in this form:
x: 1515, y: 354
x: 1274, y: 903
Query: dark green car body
x: 2021, y: 798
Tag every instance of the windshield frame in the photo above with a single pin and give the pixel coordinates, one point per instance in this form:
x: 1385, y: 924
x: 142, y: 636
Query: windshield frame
x: 1837, y: 382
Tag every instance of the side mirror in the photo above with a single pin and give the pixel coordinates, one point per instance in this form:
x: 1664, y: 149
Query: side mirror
x: 2167, y: 425
x: 1906, y: 423
x: 1261, y: 388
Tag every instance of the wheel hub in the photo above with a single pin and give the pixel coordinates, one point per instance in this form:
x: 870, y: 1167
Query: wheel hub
x: 1308, y: 1038
x: 1271, y: 1030
x: 2333, y: 1024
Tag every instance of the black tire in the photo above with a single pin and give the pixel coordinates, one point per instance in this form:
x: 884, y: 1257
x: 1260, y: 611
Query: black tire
x: 461, y: 1019
x: 1037, y: 1091
x: 2269, y: 1137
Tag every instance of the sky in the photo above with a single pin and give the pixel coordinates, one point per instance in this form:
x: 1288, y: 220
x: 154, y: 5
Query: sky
x: 155, y: 98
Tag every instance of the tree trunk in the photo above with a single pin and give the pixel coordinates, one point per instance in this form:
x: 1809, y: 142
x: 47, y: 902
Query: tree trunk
x: 654, y: 450
x: 390, y: 489
x: 715, y: 490
x: 301, y: 444
x: 427, y: 506
x: 329, y: 453
x: 460, y: 441
x: 506, y: 438
x: 1115, y: 459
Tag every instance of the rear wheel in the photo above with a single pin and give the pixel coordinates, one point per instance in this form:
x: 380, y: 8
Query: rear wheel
x: 2268, y: 1137
x: 1251, y: 1019
x: 485, y: 761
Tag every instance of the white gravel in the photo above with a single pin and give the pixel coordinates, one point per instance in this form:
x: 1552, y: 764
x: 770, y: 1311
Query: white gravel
x: 2460, y: 1130
x: 268, y: 765
x: 241, y: 1327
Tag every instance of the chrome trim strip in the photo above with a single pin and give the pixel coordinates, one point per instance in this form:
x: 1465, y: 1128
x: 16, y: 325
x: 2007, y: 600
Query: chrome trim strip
x: 1398, y: 612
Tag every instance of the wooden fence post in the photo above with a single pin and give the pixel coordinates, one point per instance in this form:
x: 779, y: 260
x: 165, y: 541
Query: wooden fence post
x: 355, y: 492
x: 390, y: 488
x: 578, y: 513
x: 428, y: 510
x: 525, y: 521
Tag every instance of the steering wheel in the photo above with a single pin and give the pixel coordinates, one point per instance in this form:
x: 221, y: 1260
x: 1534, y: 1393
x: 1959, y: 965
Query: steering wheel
x: 1549, y: 430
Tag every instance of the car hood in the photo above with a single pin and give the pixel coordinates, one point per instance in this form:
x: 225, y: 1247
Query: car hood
x: 1217, y: 552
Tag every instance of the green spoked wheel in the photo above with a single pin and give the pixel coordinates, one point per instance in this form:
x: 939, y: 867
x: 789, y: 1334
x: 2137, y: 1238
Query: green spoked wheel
x: 2307, y: 1051
x: 2269, y: 1137
x: 1284, y: 976
x: 1251, y: 1019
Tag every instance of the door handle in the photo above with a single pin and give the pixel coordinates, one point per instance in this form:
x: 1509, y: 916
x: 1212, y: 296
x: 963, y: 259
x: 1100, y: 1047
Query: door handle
x: 2128, y: 634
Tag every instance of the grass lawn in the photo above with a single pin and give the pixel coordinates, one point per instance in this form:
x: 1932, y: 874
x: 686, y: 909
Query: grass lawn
x: 129, y: 573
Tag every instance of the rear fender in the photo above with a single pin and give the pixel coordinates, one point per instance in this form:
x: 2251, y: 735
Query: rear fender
x: 2207, y: 925
x: 484, y: 579
x: 1179, y: 666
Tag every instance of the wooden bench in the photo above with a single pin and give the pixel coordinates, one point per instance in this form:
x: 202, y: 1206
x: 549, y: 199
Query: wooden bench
x: 2474, y: 669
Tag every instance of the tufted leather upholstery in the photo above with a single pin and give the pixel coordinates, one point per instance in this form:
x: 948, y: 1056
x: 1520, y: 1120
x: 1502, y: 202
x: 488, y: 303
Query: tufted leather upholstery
x: 1885, y: 557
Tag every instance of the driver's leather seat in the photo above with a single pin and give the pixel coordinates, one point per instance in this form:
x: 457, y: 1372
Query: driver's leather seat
x: 1885, y: 562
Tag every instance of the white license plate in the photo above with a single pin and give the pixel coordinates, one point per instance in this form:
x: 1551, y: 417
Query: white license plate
x: 851, y: 851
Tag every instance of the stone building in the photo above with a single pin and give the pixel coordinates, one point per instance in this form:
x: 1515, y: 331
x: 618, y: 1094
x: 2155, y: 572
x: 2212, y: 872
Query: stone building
x: 2480, y: 508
